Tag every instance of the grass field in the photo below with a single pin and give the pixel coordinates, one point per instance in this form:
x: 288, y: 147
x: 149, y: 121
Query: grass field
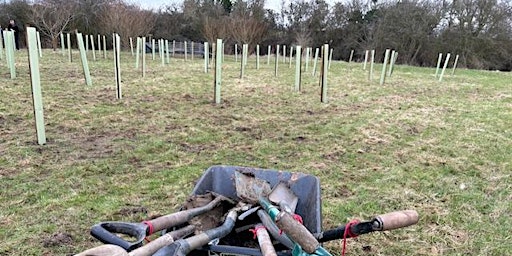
x: 443, y: 149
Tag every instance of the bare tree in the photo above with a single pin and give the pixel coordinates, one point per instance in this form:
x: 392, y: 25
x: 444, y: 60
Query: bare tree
x: 247, y: 30
x: 247, y: 23
x: 52, y: 17
x: 215, y: 28
x: 127, y: 20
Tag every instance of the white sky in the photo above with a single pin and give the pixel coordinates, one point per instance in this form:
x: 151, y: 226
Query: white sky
x: 155, y: 4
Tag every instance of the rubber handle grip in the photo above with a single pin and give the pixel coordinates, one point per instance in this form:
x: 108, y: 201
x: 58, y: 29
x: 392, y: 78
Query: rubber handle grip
x: 394, y: 220
x: 297, y: 232
x: 106, y: 233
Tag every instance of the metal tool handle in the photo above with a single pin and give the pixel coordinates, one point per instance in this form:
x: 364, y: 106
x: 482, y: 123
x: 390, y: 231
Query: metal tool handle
x: 394, y: 220
x: 178, y: 218
x: 106, y: 233
x: 164, y: 240
x: 297, y: 232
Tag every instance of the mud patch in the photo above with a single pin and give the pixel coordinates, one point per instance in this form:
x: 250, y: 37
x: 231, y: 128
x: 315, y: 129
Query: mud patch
x: 58, y: 239
x: 132, y: 210
x: 208, y: 220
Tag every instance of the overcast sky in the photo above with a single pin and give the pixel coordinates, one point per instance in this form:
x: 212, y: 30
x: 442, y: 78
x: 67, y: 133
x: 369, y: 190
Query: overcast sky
x: 155, y: 4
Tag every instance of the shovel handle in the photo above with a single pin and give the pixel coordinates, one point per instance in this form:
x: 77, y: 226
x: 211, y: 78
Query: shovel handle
x: 297, y: 232
x: 266, y: 247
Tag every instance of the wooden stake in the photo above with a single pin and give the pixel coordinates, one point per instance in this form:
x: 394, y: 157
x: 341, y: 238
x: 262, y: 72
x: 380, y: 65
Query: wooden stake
x: 277, y: 60
x: 62, y: 44
x: 439, y: 59
x: 153, y: 49
x: 70, y: 56
x: 391, y: 59
x: 298, y: 65
x: 351, y: 56
x: 330, y: 59
x: 131, y: 45
x: 86, y: 38
x: 161, y: 51
x: 291, y: 54
x: 99, y: 44
x: 104, y: 46
x: 455, y: 64
x: 365, y: 59
x: 372, y: 62
x: 315, y: 61
x: 143, y: 56
x: 284, y: 53
x: 268, y: 54
x: 242, y: 63
x: 218, y: 71
x: 206, y: 56
x: 308, y: 53
x: 137, y: 53
x: 323, y: 75
x: 93, y: 48
x: 192, y: 50
x: 444, y: 67
x: 168, y: 60
x: 245, y: 49
x: 236, y: 52
x: 173, y: 47
x: 384, y: 65
x: 117, y: 65
x: 257, y: 56
x: 37, y: 96
x: 39, y: 45
x: 186, y: 50
x: 392, y: 68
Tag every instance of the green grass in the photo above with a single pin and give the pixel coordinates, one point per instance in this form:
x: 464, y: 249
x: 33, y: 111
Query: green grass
x: 443, y: 149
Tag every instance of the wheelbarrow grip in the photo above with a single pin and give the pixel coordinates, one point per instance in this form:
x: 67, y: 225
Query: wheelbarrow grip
x: 297, y: 232
x: 388, y: 221
x: 394, y: 220
x: 106, y: 233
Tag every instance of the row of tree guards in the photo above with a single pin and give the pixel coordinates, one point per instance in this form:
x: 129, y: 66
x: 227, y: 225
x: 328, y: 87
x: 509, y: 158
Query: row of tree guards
x: 164, y: 50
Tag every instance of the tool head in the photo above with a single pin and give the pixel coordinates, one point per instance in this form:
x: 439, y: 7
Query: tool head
x: 249, y: 188
x: 282, y: 195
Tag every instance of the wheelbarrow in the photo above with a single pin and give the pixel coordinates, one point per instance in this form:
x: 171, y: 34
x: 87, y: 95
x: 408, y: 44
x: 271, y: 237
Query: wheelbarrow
x: 222, y: 180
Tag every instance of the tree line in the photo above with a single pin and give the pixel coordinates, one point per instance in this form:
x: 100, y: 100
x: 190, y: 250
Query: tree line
x: 479, y: 31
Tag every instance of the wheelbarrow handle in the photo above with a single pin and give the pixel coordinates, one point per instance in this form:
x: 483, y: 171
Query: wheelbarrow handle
x: 106, y: 231
x: 388, y: 221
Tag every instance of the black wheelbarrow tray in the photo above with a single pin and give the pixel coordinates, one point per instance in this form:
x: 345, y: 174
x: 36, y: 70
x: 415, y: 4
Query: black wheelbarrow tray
x: 221, y: 180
